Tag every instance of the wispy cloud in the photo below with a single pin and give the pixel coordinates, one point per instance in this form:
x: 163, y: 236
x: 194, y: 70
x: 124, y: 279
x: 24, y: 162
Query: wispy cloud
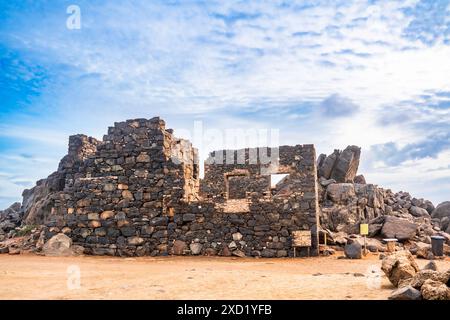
x: 330, y: 73
x: 338, y: 106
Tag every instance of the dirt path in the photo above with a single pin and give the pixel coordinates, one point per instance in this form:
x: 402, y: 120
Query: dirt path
x: 37, y: 277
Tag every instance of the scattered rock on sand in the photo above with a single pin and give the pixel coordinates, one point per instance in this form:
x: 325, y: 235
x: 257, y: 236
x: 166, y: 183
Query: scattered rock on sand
x: 435, y: 290
x: 58, y: 245
x: 419, y: 278
x: 399, y: 265
x: 353, y: 250
x: 431, y: 266
x: 405, y: 293
x: 424, y: 251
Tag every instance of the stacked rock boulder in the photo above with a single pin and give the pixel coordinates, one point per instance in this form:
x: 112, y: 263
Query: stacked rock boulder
x: 346, y: 201
x: 10, y: 219
x: 412, y: 283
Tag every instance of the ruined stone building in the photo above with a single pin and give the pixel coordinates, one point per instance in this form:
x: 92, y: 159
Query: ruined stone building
x: 138, y: 192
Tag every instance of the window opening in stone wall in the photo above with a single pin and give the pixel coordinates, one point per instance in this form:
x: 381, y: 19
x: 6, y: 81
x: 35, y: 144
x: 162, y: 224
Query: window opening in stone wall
x: 278, y: 179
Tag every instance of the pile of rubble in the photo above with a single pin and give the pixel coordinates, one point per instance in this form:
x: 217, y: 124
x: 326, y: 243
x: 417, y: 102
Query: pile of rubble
x: 346, y: 201
x: 10, y: 219
x: 413, y: 283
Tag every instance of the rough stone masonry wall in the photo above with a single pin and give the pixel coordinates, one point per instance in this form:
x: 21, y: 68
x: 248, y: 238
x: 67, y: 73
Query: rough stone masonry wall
x: 137, y: 193
x: 266, y: 224
x: 118, y: 200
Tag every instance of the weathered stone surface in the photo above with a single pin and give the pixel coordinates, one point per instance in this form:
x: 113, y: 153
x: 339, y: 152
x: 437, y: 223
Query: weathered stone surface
x: 326, y: 164
x: 58, y: 245
x: 107, y: 215
x: 435, y: 290
x: 135, y: 241
x: 442, y: 210
x: 398, y: 228
x: 341, y: 166
x: 424, y: 251
x: 423, y: 275
x: 196, y: 248
x: 360, y: 179
x: 326, y: 182
x: 431, y: 266
x: 339, y: 192
x: 187, y: 217
x: 405, y: 293
x: 10, y: 218
x: 353, y: 250
x: 179, y: 247
x: 237, y: 236
x: 339, y: 238
x: 238, y: 253
x: 418, y: 212
x: 398, y: 266
x: 268, y: 253
x: 77, y: 250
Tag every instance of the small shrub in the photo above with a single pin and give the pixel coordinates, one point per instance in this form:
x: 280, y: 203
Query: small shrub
x: 25, y: 230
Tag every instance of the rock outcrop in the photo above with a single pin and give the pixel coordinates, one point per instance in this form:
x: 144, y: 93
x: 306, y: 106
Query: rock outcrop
x: 441, y: 211
x: 341, y: 166
x: 402, y: 271
x: 398, y: 228
x: 38, y: 202
x: 10, y: 219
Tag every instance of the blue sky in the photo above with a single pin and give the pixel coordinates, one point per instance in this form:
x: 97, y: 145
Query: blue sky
x: 332, y: 73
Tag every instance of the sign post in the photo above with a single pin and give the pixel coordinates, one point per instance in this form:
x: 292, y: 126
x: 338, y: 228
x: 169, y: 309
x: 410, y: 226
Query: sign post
x: 364, y: 231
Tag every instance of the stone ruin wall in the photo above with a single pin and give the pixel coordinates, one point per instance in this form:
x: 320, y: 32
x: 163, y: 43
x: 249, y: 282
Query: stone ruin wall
x: 266, y: 218
x: 138, y: 192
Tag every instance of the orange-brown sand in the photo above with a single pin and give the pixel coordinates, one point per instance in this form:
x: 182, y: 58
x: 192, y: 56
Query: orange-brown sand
x: 38, y: 277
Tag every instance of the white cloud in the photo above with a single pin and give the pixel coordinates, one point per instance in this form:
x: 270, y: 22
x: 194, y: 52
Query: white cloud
x: 222, y: 59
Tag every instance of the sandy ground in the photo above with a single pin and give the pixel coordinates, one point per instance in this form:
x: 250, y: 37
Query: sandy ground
x: 38, y: 277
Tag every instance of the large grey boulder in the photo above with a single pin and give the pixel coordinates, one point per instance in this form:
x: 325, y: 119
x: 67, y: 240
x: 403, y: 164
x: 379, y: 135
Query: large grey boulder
x: 442, y: 210
x: 326, y: 164
x: 418, y: 212
x: 340, y: 192
x: 58, y: 245
x: 353, y: 250
x: 341, y: 166
x: 346, y: 166
x: 398, y: 228
x: 10, y: 218
x: 405, y: 293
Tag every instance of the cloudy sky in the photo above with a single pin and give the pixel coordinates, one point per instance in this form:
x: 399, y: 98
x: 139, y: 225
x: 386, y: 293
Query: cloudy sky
x: 333, y: 73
